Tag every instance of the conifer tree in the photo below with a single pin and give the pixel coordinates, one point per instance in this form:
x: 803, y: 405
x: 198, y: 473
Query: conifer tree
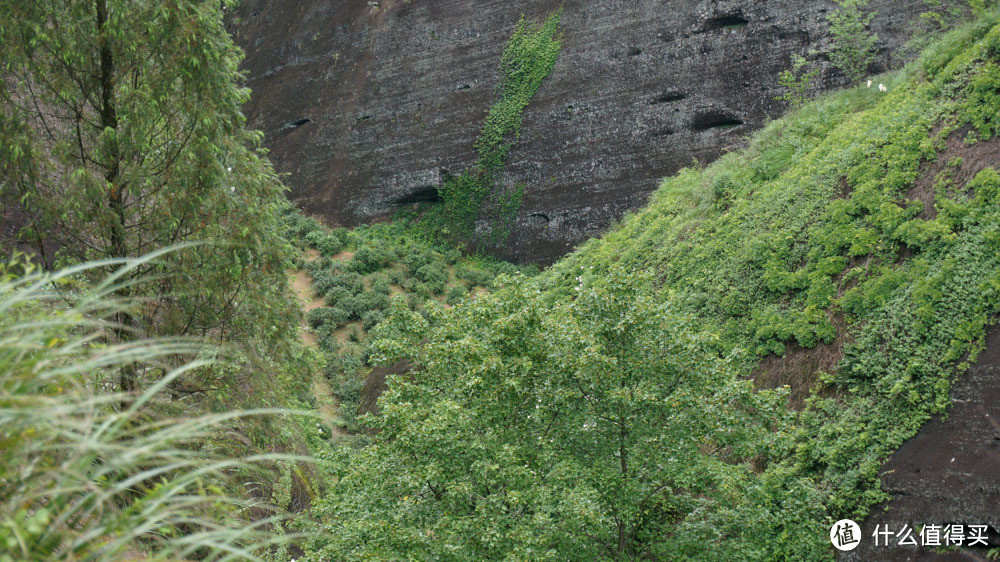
x: 121, y: 133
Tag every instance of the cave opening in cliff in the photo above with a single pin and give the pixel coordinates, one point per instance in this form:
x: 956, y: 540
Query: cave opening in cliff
x: 727, y: 21
x: 715, y: 120
x: 428, y: 194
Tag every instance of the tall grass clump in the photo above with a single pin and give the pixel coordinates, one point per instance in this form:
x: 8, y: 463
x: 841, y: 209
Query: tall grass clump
x: 92, y: 475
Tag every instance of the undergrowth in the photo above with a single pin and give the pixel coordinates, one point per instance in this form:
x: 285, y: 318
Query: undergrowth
x: 87, y: 474
x: 359, y: 272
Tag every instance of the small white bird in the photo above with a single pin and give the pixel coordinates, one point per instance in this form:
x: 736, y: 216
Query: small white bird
x: 869, y: 83
x: 882, y: 88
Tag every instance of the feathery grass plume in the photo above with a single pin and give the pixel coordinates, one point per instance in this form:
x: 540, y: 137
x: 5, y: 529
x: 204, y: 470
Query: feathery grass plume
x: 80, y: 477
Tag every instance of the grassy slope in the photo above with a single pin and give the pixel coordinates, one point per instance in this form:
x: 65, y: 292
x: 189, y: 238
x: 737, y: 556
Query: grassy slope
x: 812, y: 223
x: 812, y: 236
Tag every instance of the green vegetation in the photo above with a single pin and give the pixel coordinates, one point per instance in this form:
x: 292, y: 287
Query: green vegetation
x: 853, y: 45
x: 382, y: 266
x: 121, y: 135
x: 528, y: 58
x: 83, y: 480
x: 615, y: 406
x: 603, y: 408
x: 796, y: 81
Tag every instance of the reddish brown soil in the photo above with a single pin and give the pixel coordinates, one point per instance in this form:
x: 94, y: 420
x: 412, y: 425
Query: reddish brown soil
x: 799, y: 367
x: 974, y: 158
x: 950, y: 471
x: 326, y: 402
x: 375, y: 384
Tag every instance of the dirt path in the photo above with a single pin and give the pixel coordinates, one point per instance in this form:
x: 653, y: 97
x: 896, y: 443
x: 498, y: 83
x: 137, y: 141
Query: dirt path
x: 326, y: 402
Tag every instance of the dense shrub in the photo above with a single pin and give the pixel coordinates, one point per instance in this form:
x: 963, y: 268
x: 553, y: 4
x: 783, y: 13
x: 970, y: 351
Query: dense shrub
x: 416, y: 258
x: 371, y: 318
x: 349, y: 358
x: 325, y: 281
x: 456, y: 294
x: 475, y: 276
x: 381, y: 284
x: 434, y: 274
x: 313, y: 238
x: 373, y: 257
x: 330, y: 245
x: 302, y: 226
x: 396, y: 276
x: 327, y: 316
x: 353, y: 306
x: 410, y: 283
x: 372, y: 300
x: 336, y: 295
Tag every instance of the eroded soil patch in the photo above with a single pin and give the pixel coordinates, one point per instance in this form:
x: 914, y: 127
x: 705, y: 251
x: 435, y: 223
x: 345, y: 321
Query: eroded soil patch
x: 957, y: 163
x: 950, y: 471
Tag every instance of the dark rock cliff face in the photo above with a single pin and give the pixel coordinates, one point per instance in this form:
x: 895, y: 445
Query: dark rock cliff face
x: 366, y: 105
x: 949, y: 473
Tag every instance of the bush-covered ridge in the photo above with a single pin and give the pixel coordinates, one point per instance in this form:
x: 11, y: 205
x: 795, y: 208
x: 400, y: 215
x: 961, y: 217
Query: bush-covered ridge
x: 516, y: 438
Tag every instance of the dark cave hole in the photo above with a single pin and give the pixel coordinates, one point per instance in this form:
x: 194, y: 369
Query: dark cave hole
x: 668, y: 97
x: 538, y: 219
x: 464, y: 87
x: 715, y: 120
x: 634, y: 52
x: 427, y: 194
x: 728, y: 21
x: 299, y: 123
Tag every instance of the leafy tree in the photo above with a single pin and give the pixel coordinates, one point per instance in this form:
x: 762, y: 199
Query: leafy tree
x: 120, y: 134
x: 853, y: 45
x: 567, y: 431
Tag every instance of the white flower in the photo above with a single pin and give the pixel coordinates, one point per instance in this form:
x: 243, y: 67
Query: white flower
x: 229, y: 169
x: 869, y: 83
x: 233, y: 189
x: 882, y: 88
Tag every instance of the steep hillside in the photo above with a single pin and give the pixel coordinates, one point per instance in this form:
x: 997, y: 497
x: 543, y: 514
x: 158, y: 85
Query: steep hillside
x: 722, y: 375
x: 368, y: 106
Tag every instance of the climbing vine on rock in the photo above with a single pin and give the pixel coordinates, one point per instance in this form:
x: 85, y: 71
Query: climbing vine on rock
x: 528, y: 58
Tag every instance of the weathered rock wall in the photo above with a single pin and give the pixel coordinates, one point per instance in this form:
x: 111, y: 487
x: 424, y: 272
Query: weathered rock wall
x: 366, y: 104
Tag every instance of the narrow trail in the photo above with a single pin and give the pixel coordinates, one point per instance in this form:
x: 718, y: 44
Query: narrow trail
x: 326, y: 403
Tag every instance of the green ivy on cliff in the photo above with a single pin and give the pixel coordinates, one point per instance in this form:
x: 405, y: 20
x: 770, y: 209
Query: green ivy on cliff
x: 528, y: 58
